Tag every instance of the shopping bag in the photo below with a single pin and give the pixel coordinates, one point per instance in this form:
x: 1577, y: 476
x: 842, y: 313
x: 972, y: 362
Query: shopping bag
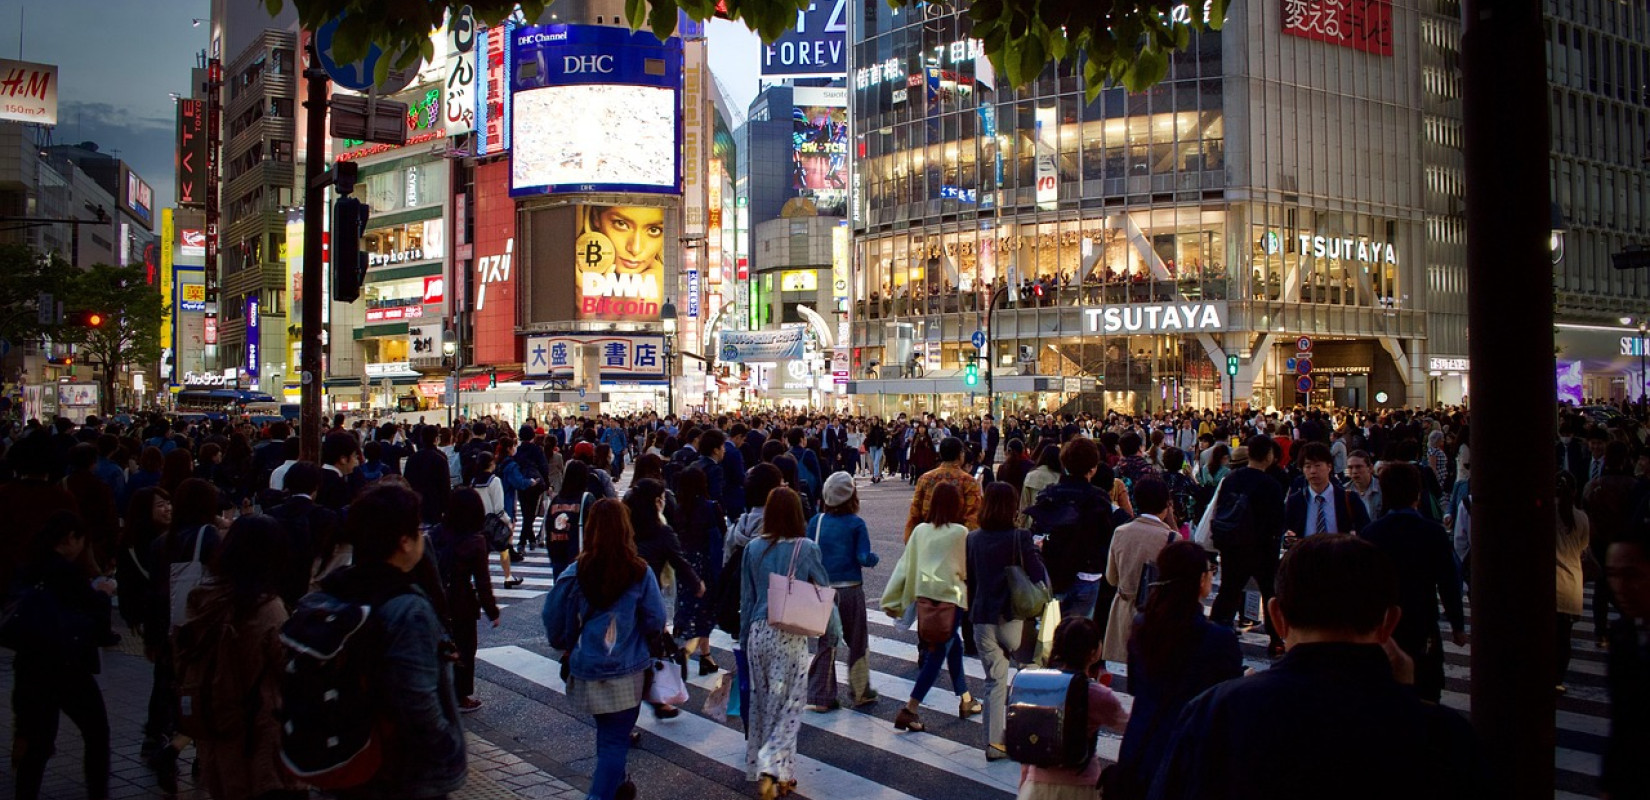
x: 1045, y: 633
x: 716, y: 705
x: 666, y: 686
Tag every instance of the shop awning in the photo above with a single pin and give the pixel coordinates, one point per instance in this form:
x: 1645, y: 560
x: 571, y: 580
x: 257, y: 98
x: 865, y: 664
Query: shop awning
x: 528, y: 394
x: 478, y: 381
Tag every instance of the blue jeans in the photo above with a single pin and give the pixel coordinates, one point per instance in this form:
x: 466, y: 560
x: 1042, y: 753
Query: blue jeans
x: 1079, y: 600
x: 876, y: 461
x: 933, y: 657
x: 612, y: 749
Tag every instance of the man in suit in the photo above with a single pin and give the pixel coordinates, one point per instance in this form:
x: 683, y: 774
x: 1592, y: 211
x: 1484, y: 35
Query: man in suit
x: 427, y: 474
x: 307, y: 525
x: 988, y: 439
x: 733, y: 471
x: 1626, y: 773
x: 1572, y: 452
x: 340, y: 455
x: 1322, y: 507
x: 1427, y: 574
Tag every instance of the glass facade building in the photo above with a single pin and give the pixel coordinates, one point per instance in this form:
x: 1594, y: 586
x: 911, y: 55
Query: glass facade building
x: 1271, y: 189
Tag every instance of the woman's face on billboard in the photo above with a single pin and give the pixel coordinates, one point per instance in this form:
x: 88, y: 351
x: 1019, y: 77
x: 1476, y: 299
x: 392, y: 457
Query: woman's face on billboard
x: 638, y: 236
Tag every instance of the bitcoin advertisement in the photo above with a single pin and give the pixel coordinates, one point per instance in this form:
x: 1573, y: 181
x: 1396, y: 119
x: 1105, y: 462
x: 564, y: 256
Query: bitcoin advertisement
x: 619, y: 258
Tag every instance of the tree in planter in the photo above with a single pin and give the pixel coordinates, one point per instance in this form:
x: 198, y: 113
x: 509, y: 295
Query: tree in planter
x: 1116, y: 42
x: 129, y: 333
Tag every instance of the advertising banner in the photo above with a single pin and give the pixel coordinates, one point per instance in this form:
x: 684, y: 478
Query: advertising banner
x: 1048, y: 173
x: 191, y: 155
x: 619, y: 257
x: 816, y: 47
x: 819, y: 147
x: 137, y: 196
x: 459, y: 89
x: 739, y: 347
x: 493, y: 317
x: 252, y: 338
x: 167, y: 285
x: 193, y: 243
x: 697, y: 131
x: 638, y: 357
x: 1359, y: 24
x: 28, y: 92
x: 492, y: 118
x: 595, y: 108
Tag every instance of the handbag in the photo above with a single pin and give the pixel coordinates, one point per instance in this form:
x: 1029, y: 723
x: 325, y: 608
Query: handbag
x: 798, y: 607
x: 1203, y: 534
x: 185, y: 577
x: 936, y: 621
x: 1025, y: 598
x: 665, y: 685
x: 1045, y: 633
x: 1148, y: 579
x: 716, y: 704
x: 498, y: 531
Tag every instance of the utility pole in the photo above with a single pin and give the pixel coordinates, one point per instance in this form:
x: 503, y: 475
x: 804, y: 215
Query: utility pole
x: 1509, y: 223
x: 311, y: 377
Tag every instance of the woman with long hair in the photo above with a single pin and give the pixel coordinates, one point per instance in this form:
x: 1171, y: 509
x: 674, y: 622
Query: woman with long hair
x: 1211, y: 474
x: 233, y: 628
x: 996, y: 546
x: 1045, y: 474
x: 778, y: 659
x: 923, y: 455
x: 934, y: 567
x: 1077, y: 651
x: 1574, y: 533
x: 491, y: 489
x: 703, y: 525
x: 461, y: 560
x: 1175, y: 653
x: 178, y: 466
x: 600, y: 615
x: 565, y: 522
x: 148, y: 517
x: 658, y: 545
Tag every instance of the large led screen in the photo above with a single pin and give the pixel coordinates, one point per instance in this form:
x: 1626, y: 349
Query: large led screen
x: 819, y: 156
x: 594, y: 136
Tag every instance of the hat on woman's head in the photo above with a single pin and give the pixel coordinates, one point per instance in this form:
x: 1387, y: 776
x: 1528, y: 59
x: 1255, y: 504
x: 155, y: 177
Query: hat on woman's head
x: 584, y: 449
x: 1240, y: 457
x: 838, y: 489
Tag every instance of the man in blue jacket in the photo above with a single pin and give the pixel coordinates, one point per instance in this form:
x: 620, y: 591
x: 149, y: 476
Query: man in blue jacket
x: 1334, y: 717
x: 733, y: 472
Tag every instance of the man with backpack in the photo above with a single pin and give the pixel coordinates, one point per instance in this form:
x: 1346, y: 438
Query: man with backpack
x: 809, y: 471
x: 367, y: 655
x: 1247, y: 528
x: 1076, y: 517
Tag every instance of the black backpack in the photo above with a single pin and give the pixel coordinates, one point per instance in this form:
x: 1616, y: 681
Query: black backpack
x: 1047, y: 720
x: 331, y: 736
x: 1233, y: 526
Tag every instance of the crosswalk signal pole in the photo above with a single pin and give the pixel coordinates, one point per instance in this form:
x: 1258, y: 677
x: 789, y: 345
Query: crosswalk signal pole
x: 315, y: 209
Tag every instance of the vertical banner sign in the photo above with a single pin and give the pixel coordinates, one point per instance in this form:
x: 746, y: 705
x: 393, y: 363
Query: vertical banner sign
x: 252, y: 337
x: 1359, y: 24
x: 696, y: 135
x: 713, y: 223
x: 28, y: 92
x: 191, y: 154
x: 459, y: 104
x: 492, y: 118
x: 167, y: 277
x: 840, y: 246
x: 1048, y: 172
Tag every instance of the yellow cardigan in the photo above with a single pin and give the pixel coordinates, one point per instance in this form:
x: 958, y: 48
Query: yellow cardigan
x: 934, y: 565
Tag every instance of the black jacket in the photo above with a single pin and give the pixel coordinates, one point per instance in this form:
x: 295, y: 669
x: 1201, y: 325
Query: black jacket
x: 1265, y: 507
x: 1328, y: 720
x: 1626, y: 773
x: 307, y: 525
x: 1080, y: 533
x: 663, y: 547
x: 461, y: 561
x: 1427, y: 572
x: 81, y: 622
x: 990, y: 554
x: 427, y: 473
x: 1211, y: 656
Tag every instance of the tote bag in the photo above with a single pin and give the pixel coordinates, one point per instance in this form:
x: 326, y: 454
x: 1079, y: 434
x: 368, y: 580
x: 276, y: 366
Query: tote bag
x: 798, y: 607
x: 185, y: 577
x: 1026, y: 599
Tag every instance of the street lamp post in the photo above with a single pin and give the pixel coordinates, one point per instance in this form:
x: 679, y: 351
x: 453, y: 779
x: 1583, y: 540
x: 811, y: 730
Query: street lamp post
x: 449, y: 348
x: 991, y: 350
x: 667, y: 315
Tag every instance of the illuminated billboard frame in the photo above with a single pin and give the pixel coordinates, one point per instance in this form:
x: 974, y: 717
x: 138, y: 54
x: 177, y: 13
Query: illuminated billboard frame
x: 556, y: 68
x: 819, y: 147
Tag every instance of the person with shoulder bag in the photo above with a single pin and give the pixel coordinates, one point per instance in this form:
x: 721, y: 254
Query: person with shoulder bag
x: 703, y: 527
x: 461, y: 561
x: 845, y: 547
x: 564, y: 522
x: 497, y: 528
x: 229, y: 660
x: 931, y: 576
x: 1131, y: 561
x: 1003, y: 563
x: 786, y: 601
x: 601, y: 614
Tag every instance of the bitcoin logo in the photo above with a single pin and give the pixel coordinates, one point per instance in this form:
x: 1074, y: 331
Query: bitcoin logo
x: 594, y: 252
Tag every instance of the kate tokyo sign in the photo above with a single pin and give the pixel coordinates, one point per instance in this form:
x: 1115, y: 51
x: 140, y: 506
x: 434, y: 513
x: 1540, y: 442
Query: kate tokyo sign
x: 1156, y: 318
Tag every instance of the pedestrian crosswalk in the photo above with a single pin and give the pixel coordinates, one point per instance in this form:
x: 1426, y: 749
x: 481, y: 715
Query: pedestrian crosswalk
x: 857, y: 753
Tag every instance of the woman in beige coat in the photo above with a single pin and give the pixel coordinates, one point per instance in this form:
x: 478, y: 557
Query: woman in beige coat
x: 1574, y: 531
x: 1134, y: 546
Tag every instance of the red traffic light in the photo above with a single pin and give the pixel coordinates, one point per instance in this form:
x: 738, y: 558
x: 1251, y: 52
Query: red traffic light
x: 94, y: 319
x: 87, y: 319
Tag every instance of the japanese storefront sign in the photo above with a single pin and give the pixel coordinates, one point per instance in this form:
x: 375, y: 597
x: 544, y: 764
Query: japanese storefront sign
x: 492, y: 117
x: 1359, y: 24
x: 252, y: 338
x: 459, y: 90
x: 638, y: 357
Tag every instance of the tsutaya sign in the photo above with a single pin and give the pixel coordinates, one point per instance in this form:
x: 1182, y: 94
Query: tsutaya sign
x: 1348, y: 249
x: 1156, y: 318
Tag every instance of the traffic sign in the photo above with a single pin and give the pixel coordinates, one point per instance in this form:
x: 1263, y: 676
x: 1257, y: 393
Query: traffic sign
x: 1289, y: 364
x: 1304, y: 344
x: 979, y: 340
x: 357, y: 75
x: 1303, y: 384
x: 581, y: 392
x: 1303, y: 366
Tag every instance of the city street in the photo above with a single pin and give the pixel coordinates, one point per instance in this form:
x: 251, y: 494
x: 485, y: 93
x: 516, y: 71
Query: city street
x: 527, y: 741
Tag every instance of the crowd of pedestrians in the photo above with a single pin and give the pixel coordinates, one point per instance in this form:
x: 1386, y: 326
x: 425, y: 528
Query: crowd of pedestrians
x: 293, y: 612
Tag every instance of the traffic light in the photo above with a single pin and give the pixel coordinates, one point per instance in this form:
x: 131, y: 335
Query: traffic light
x: 349, y: 264
x: 61, y: 361
x: 1232, y: 366
x: 971, y: 374
x: 86, y: 319
x: 492, y: 379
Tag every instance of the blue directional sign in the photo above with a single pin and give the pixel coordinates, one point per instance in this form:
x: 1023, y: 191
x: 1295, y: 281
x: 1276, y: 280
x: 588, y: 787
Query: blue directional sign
x: 979, y: 340
x: 356, y: 75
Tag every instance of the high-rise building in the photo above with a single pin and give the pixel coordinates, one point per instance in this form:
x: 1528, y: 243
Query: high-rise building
x: 1598, y: 71
x: 1263, y: 209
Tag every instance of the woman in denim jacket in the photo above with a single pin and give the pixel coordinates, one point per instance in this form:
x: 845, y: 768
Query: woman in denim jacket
x: 600, y: 614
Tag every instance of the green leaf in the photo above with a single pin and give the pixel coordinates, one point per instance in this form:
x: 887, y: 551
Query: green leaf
x: 1033, y: 57
x: 635, y: 14
x: 273, y: 6
x: 1149, y: 68
x: 662, y: 19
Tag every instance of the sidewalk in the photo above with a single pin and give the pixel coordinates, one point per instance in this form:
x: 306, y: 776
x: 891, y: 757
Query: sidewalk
x: 494, y: 773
